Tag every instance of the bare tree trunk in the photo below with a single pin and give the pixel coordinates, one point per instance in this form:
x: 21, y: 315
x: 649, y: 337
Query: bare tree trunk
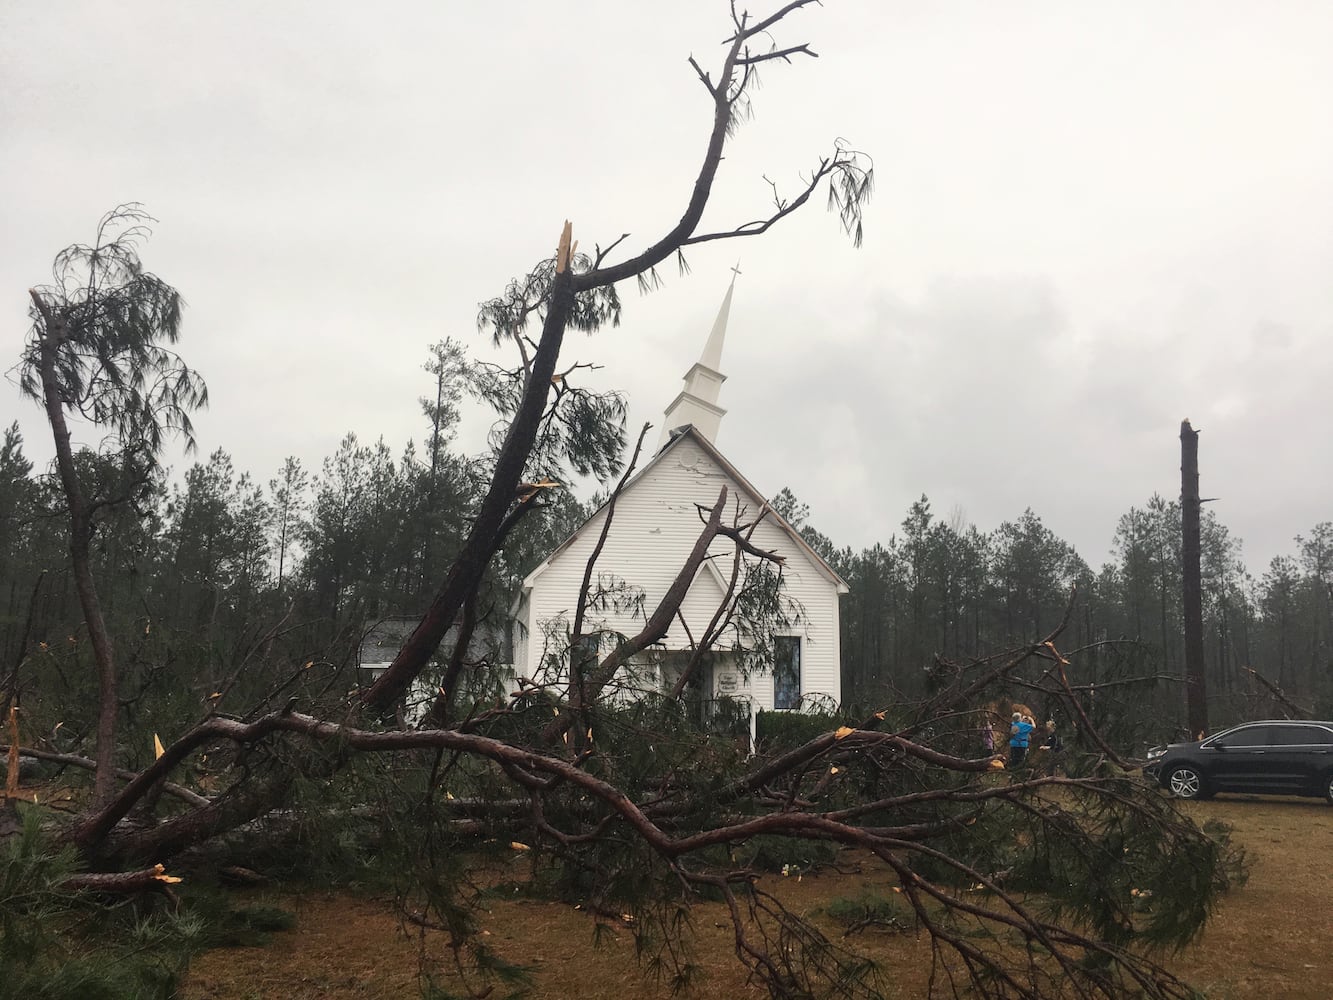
x: 12, y: 772
x: 1196, y: 692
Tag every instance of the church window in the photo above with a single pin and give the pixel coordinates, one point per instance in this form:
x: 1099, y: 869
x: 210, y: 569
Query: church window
x: 786, y: 671
x: 586, y: 650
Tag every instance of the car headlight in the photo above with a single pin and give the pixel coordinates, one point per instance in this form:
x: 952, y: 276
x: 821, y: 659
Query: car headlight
x: 1156, y: 752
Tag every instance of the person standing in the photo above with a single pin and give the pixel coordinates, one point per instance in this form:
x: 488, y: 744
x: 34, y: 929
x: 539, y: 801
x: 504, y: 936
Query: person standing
x: 1020, y: 733
x: 1054, y: 747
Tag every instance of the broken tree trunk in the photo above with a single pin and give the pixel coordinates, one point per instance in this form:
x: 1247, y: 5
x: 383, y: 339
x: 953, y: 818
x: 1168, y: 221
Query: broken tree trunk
x: 1196, y: 691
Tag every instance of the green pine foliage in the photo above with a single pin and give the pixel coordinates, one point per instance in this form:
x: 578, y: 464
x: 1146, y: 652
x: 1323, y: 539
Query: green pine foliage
x: 59, y: 945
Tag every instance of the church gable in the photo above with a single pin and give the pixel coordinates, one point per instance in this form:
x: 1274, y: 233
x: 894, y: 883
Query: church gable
x: 655, y: 525
x: 705, y: 596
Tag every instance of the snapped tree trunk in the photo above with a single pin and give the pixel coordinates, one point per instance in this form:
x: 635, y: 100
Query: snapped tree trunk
x: 465, y: 575
x: 1196, y: 692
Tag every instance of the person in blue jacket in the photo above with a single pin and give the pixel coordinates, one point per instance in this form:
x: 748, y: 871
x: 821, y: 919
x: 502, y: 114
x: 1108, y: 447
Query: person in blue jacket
x: 1020, y: 733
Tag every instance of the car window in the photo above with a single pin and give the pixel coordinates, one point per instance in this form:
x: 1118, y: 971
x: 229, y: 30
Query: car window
x: 1248, y: 736
x: 1300, y: 736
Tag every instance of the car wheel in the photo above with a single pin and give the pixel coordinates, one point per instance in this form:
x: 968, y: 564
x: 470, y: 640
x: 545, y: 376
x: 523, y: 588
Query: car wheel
x: 1186, y: 783
x: 1328, y: 787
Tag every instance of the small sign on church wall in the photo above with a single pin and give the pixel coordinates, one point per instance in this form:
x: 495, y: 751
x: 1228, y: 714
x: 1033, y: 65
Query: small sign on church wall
x: 728, y: 683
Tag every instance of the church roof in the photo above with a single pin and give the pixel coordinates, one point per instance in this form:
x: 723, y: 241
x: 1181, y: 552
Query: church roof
x: 677, y: 436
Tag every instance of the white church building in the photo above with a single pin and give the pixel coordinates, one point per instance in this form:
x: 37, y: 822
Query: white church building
x: 655, y: 525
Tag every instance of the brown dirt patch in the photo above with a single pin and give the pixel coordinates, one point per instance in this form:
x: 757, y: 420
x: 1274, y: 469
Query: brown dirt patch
x: 1272, y: 937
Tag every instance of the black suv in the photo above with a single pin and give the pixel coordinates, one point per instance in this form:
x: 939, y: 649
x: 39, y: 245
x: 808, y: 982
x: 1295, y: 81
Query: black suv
x: 1275, y: 758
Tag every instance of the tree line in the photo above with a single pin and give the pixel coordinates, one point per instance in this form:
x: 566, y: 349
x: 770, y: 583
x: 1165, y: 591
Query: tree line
x: 214, y: 558
x: 943, y: 591
x: 217, y: 555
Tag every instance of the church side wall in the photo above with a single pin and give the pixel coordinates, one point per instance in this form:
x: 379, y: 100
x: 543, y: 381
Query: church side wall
x: 655, y: 526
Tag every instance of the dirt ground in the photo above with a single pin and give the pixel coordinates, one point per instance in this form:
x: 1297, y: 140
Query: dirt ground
x: 1272, y: 938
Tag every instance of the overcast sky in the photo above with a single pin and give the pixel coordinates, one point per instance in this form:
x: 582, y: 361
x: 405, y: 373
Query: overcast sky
x: 1091, y: 221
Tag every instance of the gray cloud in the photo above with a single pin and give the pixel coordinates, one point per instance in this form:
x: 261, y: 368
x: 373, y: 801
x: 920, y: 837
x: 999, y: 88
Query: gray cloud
x: 1091, y: 221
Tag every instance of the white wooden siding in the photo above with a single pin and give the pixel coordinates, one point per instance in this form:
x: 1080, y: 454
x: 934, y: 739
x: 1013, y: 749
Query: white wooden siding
x: 655, y: 525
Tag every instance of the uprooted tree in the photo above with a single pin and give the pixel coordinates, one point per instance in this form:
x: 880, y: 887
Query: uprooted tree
x: 1028, y: 883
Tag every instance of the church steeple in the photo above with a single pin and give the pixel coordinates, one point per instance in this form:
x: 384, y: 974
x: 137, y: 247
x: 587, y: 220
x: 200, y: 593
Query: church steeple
x: 697, y: 402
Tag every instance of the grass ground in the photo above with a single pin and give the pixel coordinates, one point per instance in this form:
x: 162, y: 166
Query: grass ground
x: 1271, y: 938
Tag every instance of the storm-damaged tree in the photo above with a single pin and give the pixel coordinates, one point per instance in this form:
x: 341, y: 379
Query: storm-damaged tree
x: 579, y: 291
x: 1191, y: 574
x: 642, y: 811
x: 98, y: 350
